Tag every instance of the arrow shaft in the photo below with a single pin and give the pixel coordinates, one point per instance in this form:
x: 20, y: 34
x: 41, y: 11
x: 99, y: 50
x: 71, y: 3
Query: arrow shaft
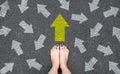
x: 62, y: 2
x: 108, y: 13
x: 36, y: 65
x: 98, y: 27
x: 101, y: 49
x: 41, y: 39
x: 24, y: 2
x: 116, y: 70
x: 19, y: 50
x: 1, y: 31
x: 76, y: 17
x: 92, y: 62
x: 81, y: 48
x: 95, y: 2
x: 4, y: 70
x: 24, y: 25
x: 59, y: 34
x: 45, y: 12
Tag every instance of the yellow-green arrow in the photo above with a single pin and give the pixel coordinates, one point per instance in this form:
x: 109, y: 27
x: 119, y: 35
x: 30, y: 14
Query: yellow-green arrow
x: 59, y: 23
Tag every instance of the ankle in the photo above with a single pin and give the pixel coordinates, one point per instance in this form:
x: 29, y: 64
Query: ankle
x: 65, y: 70
x: 55, y: 67
x: 53, y: 70
x: 63, y: 67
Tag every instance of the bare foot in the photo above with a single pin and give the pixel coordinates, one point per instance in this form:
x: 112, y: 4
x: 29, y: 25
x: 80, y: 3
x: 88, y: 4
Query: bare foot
x: 55, y: 56
x: 59, y: 56
x: 64, y: 52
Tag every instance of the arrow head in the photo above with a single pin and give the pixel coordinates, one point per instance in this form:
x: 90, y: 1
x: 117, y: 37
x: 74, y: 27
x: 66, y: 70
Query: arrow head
x: 93, y: 7
x: 60, y: 22
x: 112, y: 65
x: 65, y: 5
x: 88, y: 67
x: 15, y: 44
x: 41, y: 7
x: 29, y: 29
x: 30, y: 62
x: 93, y: 33
x: 83, y: 18
x: 109, y: 51
x: 5, y: 30
x: 9, y: 66
x: 38, y: 45
x: 22, y: 8
x: 78, y: 41
x: 114, y: 10
x: 116, y: 31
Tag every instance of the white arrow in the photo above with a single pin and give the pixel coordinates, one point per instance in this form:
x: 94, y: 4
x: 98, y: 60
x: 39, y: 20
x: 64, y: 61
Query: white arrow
x: 4, y: 8
x: 23, y: 6
x: 116, y: 32
x: 32, y: 63
x: 90, y: 64
x: 16, y: 47
x: 26, y: 27
x: 79, y: 44
x: 113, y: 67
x: 64, y: 4
x: 95, y: 31
x: 94, y: 5
x: 39, y: 42
x: 81, y: 18
x: 4, y: 31
x: 8, y: 67
x: 112, y: 11
x: 42, y: 9
x: 106, y: 50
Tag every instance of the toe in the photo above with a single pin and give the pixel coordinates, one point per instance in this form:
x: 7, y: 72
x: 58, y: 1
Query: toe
x: 57, y: 47
x: 54, y: 47
x: 64, y: 47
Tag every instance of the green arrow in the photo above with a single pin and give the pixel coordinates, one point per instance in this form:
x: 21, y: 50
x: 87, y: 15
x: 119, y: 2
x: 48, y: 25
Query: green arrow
x: 59, y: 23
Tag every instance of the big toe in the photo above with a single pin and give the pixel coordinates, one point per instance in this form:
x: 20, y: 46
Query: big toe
x: 54, y: 47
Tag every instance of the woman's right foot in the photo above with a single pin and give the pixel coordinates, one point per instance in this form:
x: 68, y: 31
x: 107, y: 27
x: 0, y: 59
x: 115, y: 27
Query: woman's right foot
x: 64, y: 52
